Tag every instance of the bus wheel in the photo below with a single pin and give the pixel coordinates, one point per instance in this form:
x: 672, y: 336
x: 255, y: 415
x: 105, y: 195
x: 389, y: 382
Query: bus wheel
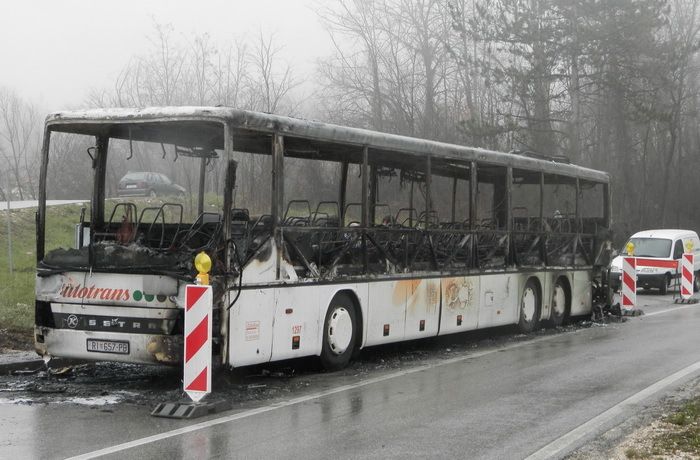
x: 530, y: 307
x: 339, y: 333
x: 560, y: 304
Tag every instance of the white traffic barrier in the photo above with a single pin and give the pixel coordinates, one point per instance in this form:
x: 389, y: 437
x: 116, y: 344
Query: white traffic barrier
x: 687, y: 275
x: 629, y: 283
x: 197, y: 360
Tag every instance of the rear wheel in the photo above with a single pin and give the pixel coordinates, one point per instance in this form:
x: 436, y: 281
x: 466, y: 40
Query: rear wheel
x: 339, y: 333
x: 152, y: 194
x: 530, y: 306
x: 561, y: 304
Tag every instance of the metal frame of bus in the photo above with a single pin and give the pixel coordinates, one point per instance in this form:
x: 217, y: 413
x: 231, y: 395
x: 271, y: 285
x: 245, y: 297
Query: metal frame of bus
x: 422, y: 263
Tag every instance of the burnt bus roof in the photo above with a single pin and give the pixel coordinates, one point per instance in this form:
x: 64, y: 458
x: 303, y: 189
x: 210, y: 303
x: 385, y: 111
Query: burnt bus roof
x: 252, y: 131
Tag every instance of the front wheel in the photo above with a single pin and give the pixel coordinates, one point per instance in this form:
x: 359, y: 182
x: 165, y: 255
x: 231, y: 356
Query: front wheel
x: 530, y: 307
x: 339, y: 333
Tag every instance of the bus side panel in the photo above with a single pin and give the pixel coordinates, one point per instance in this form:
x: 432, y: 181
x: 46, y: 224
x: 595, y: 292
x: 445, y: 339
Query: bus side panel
x: 460, y: 298
x: 500, y: 294
x: 422, y: 304
x: 296, y: 316
x: 250, y: 327
x: 387, y: 309
x: 581, y: 296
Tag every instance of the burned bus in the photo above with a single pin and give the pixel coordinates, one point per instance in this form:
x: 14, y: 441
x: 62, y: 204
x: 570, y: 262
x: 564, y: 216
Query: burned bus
x: 323, y: 239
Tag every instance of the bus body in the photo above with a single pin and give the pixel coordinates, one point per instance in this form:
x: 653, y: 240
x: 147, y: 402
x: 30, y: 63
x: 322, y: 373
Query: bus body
x: 324, y: 239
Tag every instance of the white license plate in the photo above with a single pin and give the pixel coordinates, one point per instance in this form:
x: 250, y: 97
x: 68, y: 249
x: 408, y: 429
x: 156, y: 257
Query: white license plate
x: 130, y: 185
x: 119, y: 347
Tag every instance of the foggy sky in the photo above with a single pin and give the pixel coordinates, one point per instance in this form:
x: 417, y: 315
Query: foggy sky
x: 53, y: 52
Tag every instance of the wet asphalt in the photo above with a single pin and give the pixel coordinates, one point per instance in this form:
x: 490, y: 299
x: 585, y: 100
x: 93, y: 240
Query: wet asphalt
x: 502, y: 400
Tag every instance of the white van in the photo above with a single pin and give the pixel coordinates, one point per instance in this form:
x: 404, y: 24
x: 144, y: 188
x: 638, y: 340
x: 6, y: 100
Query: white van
x: 664, y: 244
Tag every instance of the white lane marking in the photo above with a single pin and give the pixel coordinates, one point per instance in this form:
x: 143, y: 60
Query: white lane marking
x: 302, y: 399
x: 299, y: 400
x: 565, y: 442
x: 682, y: 307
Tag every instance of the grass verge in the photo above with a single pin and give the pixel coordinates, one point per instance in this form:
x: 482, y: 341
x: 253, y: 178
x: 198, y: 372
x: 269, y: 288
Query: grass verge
x: 675, y: 436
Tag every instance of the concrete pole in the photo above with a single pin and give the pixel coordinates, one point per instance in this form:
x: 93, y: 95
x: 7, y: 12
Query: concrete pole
x: 10, y: 264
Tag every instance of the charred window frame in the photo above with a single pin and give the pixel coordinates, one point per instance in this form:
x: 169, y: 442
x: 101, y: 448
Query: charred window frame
x: 491, y: 237
x: 451, y: 195
x: 195, y: 138
x: 568, y: 244
x: 397, y: 212
x: 251, y: 205
x: 41, y: 211
x: 493, y: 213
x: 63, y: 170
x: 198, y: 138
x: 527, y: 235
x: 592, y: 198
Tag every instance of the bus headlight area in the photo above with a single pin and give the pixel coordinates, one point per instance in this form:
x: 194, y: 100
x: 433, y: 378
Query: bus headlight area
x: 316, y: 239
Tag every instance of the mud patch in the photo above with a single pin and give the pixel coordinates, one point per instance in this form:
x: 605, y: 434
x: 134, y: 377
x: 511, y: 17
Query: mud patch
x: 16, y: 340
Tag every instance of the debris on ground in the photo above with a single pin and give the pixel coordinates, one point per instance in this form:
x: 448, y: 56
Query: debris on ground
x: 103, y: 383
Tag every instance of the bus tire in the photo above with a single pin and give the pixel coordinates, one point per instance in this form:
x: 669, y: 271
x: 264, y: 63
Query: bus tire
x: 561, y: 303
x: 530, y: 306
x: 339, y: 333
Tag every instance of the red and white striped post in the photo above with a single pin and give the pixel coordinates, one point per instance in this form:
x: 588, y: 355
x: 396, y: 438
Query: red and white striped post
x: 629, y: 283
x: 197, y: 362
x: 687, y: 275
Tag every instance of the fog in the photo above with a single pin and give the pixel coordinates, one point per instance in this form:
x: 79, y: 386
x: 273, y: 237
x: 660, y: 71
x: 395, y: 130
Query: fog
x: 53, y: 53
x: 609, y: 85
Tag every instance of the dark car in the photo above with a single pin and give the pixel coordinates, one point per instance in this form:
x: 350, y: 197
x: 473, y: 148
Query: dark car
x: 148, y: 184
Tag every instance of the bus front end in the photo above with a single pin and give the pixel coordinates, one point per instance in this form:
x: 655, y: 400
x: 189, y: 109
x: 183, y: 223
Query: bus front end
x: 115, y: 317
x: 145, y: 196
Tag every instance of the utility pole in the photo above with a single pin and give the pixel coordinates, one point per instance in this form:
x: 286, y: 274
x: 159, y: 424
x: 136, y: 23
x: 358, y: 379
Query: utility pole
x: 9, y: 238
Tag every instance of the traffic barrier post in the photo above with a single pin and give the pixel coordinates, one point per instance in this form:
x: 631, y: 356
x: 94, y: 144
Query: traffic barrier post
x: 629, y: 283
x: 197, y: 359
x: 687, y: 275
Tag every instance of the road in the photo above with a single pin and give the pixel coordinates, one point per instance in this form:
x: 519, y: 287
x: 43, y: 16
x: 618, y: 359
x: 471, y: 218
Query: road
x: 540, y: 397
x: 34, y: 203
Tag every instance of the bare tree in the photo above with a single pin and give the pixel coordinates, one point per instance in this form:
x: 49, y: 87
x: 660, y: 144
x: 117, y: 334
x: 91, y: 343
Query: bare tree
x: 19, y: 142
x: 358, y: 70
x: 269, y: 78
x: 229, y: 76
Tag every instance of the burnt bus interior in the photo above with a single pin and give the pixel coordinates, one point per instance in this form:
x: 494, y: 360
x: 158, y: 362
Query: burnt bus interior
x: 335, y: 209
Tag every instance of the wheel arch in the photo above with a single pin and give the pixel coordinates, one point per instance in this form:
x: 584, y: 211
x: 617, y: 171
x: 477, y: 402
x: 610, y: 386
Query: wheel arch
x: 359, y: 313
x: 538, y: 283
